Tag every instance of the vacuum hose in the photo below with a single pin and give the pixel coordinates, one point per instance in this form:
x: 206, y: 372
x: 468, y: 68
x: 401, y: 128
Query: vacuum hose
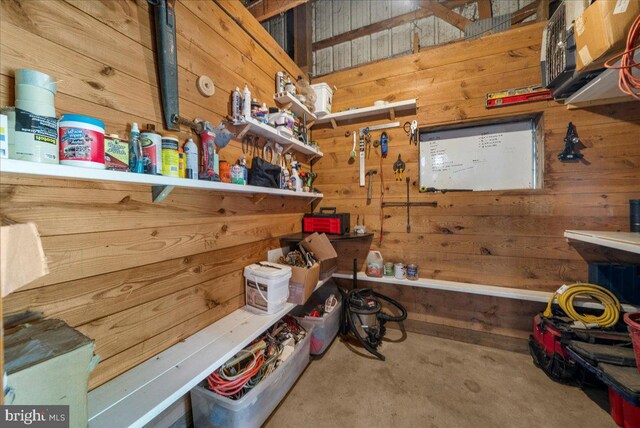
x: 607, y: 299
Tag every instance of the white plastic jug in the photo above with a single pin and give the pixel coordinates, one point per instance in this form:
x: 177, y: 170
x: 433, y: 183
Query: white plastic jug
x: 375, y: 264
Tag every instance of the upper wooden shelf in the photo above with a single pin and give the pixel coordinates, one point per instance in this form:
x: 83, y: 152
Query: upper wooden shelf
x: 601, y: 90
x: 292, y: 103
x: 625, y: 241
x: 161, y: 185
x: 256, y: 127
x: 360, y: 113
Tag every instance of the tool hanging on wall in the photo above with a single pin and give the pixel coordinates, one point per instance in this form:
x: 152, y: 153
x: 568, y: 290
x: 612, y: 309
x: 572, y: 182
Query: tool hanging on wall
x: 167, y: 60
x: 527, y: 94
x: 370, y: 174
x: 570, y: 141
x: 407, y: 204
x: 384, y: 144
x: 434, y: 190
x: 398, y: 168
x: 361, y: 160
x: 352, y: 155
x: 411, y: 128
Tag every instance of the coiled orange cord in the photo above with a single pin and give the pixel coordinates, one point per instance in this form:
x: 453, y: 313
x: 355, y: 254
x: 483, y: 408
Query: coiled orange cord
x: 627, y: 82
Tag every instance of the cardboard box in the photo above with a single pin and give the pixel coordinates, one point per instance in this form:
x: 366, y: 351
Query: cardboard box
x: 601, y: 31
x: 321, y: 247
x: 302, y: 283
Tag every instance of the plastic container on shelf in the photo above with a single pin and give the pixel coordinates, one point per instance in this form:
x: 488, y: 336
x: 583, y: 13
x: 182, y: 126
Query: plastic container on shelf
x: 324, y: 328
x: 375, y: 264
x: 213, y: 410
x: 324, y: 97
x: 267, y: 286
x: 81, y: 141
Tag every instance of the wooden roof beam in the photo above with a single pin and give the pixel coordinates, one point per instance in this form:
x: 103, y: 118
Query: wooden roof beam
x: 385, y: 25
x: 523, y: 13
x: 265, y: 9
x: 445, y: 13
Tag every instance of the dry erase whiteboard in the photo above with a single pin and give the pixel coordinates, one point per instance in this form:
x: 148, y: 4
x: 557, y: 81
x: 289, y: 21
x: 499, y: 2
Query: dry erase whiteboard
x: 488, y: 157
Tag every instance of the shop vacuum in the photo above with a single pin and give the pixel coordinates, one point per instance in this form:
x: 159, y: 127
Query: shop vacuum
x: 363, y: 316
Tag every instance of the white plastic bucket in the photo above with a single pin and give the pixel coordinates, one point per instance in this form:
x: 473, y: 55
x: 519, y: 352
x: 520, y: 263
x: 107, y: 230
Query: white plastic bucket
x: 324, y: 97
x: 267, y: 286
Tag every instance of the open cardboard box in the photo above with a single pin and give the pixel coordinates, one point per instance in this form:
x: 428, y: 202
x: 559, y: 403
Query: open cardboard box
x: 302, y: 283
x: 321, y: 247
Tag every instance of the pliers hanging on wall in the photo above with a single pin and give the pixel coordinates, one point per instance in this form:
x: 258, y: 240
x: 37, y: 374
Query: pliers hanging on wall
x: 411, y: 128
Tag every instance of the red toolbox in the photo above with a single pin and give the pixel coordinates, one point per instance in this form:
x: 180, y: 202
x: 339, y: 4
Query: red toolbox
x: 327, y: 221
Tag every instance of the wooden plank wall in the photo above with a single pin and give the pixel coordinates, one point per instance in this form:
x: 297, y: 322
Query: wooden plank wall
x: 138, y: 277
x: 509, y: 238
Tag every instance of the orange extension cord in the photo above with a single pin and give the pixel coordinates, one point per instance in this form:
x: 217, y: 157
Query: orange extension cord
x: 627, y: 82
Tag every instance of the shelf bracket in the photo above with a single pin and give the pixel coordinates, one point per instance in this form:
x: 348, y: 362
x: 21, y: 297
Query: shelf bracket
x: 392, y: 114
x: 158, y: 193
x: 334, y: 125
x: 242, y: 133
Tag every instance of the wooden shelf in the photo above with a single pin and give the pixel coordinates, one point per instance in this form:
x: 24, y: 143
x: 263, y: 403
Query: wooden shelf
x: 161, y: 185
x: 258, y: 128
x: 300, y: 236
x: 480, y: 289
x: 137, y: 396
x: 601, y: 90
x: 292, y: 103
x: 625, y: 241
x: 360, y: 113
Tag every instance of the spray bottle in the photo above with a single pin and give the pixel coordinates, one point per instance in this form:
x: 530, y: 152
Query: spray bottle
x: 295, y: 178
x: 236, y: 106
x: 191, y: 153
x: 246, y: 103
x: 136, y: 160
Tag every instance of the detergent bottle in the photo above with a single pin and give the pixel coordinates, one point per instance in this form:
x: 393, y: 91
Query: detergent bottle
x: 375, y: 264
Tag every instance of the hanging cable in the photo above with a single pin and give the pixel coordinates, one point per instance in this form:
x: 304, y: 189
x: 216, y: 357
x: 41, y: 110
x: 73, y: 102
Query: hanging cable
x: 567, y: 293
x: 627, y: 82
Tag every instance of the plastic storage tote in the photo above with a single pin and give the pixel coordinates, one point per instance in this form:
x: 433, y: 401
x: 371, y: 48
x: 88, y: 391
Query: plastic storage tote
x: 267, y: 286
x: 213, y: 410
x: 324, y: 329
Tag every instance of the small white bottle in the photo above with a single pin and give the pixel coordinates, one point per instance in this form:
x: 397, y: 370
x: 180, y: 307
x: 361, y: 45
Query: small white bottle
x: 246, y: 103
x: 295, y: 178
x: 191, y: 153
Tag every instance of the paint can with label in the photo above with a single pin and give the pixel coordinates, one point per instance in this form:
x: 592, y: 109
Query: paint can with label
x: 151, y: 150
x: 81, y: 141
x: 412, y: 272
x: 170, y: 158
x: 33, y: 122
x: 400, y: 271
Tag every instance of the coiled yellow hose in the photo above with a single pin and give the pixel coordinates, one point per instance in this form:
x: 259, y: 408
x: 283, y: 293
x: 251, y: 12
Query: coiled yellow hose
x: 607, y: 299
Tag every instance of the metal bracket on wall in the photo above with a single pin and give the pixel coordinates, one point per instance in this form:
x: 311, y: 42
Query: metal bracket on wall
x: 158, y: 193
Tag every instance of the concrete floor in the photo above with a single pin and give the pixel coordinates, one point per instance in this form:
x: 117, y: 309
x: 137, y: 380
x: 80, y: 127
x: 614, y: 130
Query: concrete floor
x: 432, y: 382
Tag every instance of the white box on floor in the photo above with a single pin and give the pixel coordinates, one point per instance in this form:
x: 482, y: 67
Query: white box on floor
x: 213, y: 410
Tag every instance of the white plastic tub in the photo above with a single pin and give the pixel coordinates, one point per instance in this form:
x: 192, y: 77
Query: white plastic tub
x: 267, y: 286
x: 213, y: 410
x: 324, y: 98
x: 324, y: 329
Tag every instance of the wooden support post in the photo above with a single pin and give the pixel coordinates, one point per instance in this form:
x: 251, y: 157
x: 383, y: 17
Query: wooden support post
x: 484, y: 9
x: 416, y: 42
x: 302, y: 37
x: 392, y: 114
x: 542, y: 13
